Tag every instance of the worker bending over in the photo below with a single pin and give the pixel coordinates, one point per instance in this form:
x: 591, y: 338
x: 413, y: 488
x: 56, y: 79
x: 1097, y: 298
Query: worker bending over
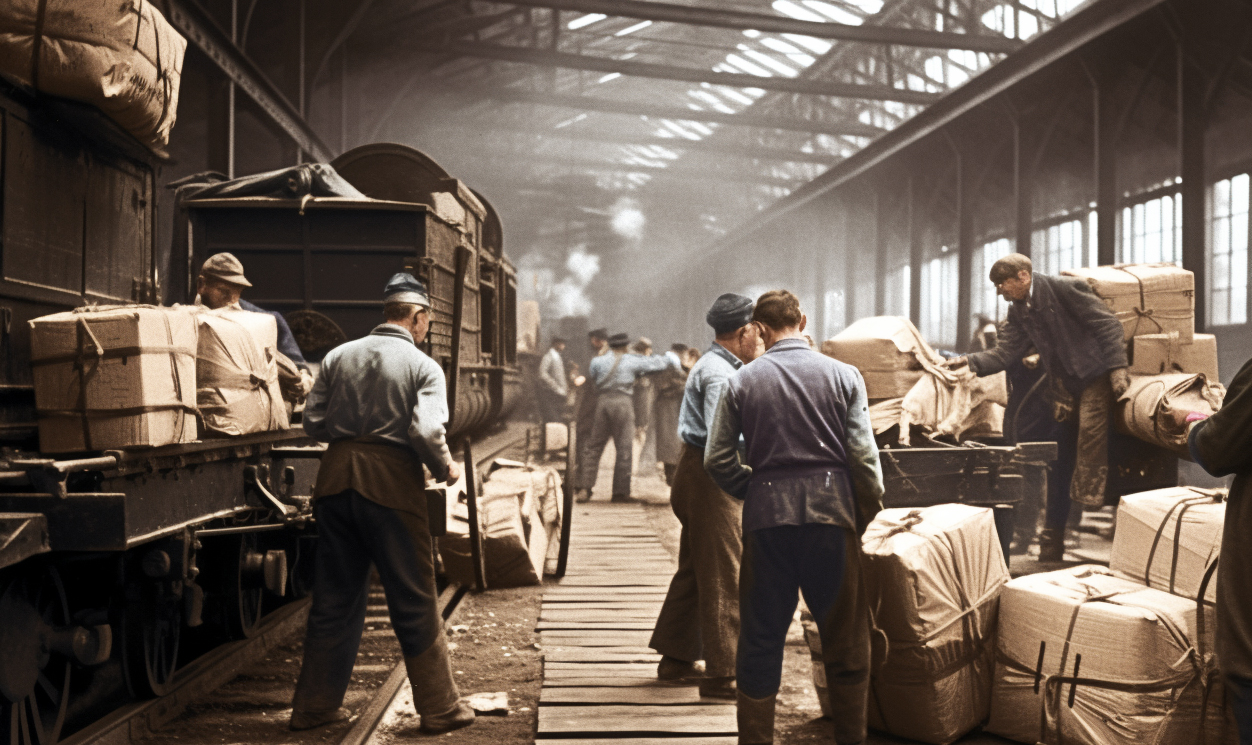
x: 1082, y: 349
x: 811, y: 484
x: 382, y: 405
x: 700, y: 617
x: 613, y: 378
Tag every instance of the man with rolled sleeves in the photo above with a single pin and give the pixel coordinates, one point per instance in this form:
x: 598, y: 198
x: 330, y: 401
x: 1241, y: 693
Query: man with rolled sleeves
x: 382, y: 405
x: 700, y: 617
x: 811, y: 483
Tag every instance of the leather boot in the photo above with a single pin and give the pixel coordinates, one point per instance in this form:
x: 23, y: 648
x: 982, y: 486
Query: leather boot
x: 672, y: 668
x: 309, y: 719
x: 1052, y: 545
x: 756, y: 719
x: 435, y: 695
x: 849, y: 708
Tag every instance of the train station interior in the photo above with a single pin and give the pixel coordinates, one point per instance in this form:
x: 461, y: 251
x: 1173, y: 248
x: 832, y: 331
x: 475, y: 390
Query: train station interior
x: 552, y: 182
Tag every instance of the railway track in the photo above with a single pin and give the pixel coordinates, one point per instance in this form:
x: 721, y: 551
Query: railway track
x: 143, y: 720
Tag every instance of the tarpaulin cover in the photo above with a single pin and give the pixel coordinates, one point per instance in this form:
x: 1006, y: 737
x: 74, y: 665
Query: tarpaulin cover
x: 121, y: 57
x: 236, y: 375
x: 306, y: 180
x: 933, y: 578
x: 955, y: 403
x: 1167, y: 538
x: 114, y: 378
x: 1146, y: 410
x: 1146, y: 298
x: 1087, y: 658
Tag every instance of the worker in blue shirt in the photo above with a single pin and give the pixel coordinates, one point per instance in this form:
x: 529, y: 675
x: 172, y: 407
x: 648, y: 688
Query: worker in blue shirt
x: 382, y: 405
x: 613, y: 377
x: 700, y: 617
x: 811, y: 483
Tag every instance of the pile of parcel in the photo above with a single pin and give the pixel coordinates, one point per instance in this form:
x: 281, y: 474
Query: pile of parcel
x: 130, y: 376
x: 1086, y: 655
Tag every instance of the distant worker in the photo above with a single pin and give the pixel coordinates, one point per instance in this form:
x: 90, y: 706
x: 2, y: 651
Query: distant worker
x: 1082, y: 348
x: 613, y: 377
x: 668, y: 404
x: 221, y: 284
x: 985, y: 334
x: 553, y: 385
x: 645, y: 400
x: 585, y: 408
x: 382, y: 405
x: 811, y: 483
x: 1222, y: 445
x: 700, y: 617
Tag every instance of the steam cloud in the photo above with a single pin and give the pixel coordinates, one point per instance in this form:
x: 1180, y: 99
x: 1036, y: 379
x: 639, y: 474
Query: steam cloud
x: 627, y: 220
x: 569, y: 295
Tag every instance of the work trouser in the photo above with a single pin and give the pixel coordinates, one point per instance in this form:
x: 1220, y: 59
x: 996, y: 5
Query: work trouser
x: 551, y: 406
x: 352, y: 534
x: 1239, y: 698
x: 615, y: 418
x: 823, y: 562
x: 700, y: 617
x: 1080, y: 473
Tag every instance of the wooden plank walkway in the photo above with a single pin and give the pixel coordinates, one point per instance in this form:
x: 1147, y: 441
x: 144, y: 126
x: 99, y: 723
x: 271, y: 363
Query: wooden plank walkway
x: 599, y: 676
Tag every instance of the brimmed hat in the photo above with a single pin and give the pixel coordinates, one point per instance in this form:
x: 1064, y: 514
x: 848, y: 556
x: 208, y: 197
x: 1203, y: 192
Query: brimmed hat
x: 729, y: 312
x: 405, y: 288
x: 225, y: 267
x: 619, y: 340
x: 598, y: 334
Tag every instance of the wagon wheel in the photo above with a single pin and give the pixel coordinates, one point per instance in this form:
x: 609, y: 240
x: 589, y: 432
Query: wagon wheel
x: 151, y: 628
x: 567, y: 500
x: 244, y: 587
x: 475, y: 528
x: 34, y: 681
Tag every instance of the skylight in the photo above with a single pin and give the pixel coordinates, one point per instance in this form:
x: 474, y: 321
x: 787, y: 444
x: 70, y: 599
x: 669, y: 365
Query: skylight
x: 586, y: 20
x: 748, y: 67
x: 788, y: 8
x: 833, y: 12
x: 632, y: 29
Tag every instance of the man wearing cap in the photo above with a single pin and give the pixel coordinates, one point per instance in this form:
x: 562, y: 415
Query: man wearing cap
x: 221, y: 284
x: 553, y: 386
x: 585, y: 414
x: 700, y: 617
x: 1082, y: 348
x: 613, y: 376
x: 382, y: 405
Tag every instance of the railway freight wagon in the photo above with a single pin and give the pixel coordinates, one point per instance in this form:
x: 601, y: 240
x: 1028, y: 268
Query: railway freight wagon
x: 323, y: 262
x: 122, y: 565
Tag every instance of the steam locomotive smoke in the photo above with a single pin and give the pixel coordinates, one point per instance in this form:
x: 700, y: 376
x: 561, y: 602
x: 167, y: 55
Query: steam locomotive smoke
x: 569, y: 295
x: 627, y: 220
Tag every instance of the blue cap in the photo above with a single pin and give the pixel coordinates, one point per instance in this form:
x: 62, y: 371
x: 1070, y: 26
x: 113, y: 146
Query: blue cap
x: 729, y: 312
x: 405, y: 288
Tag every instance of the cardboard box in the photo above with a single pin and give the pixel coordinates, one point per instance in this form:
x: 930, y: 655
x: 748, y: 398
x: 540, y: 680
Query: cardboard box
x: 1150, y: 547
x: 1118, y: 634
x: 1146, y: 298
x: 1153, y: 354
x: 236, y: 377
x: 934, y: 577
x: 117, y: 378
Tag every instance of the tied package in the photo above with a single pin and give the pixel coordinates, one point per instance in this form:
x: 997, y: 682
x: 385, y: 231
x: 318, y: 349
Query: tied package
x: 114, y: 378
x: 1088, y: 658
x: 887, y: 350
x: 121, y: 57
x: 934, y: 577
x: 1168, y: 538
x: 237, y: 373
x: 1146, y: 410
x: 1154, y: 354
x: 1146, y: 298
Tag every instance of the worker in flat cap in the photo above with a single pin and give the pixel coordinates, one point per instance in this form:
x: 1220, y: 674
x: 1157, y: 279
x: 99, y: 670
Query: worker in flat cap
x: 382, y: 405
x: 700, y: 617
x: 553, y: 383
x: 221, y: 284
x: 613, y: 377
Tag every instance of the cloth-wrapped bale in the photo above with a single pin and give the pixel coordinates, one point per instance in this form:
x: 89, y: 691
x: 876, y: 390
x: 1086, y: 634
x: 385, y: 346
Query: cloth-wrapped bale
x: 1146, y: 298
x: 955, y: 403
x: 1087, y: 658
x: 107, y: 379
x: 934, y: 577
x: 123, y: 58
x: 236, y: 376
x: 1168, y: 538
x: 887, y: 350
x: 1146, y: 409
x: 1153, y: 354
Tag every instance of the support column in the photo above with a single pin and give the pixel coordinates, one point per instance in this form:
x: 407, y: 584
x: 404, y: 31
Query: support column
x: 850, y: 243
x: 1023, y: 193
x: 880, y: 254
x: 915, y: 258
x: 1191, y: 124
x: 1105, y: 158
x: 965, y: 253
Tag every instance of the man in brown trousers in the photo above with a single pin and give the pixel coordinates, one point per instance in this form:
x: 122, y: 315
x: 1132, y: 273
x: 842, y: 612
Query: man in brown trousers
x: 700, y: 617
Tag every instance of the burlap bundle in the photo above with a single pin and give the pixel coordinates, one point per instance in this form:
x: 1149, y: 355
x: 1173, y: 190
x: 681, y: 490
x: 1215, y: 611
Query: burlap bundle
x: 1146, y: 409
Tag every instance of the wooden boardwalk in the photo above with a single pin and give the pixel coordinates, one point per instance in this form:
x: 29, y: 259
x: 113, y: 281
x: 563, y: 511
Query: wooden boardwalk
x: 599, y: 676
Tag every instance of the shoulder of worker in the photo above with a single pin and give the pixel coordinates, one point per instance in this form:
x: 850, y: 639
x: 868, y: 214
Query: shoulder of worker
x: 1063, y: 285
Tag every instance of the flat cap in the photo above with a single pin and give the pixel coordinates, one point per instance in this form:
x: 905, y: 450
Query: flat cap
x: 619, y: 340
x: 226, y: 267
x: 405, y: 288
x: 598, y: 334
x: 729, y: 312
